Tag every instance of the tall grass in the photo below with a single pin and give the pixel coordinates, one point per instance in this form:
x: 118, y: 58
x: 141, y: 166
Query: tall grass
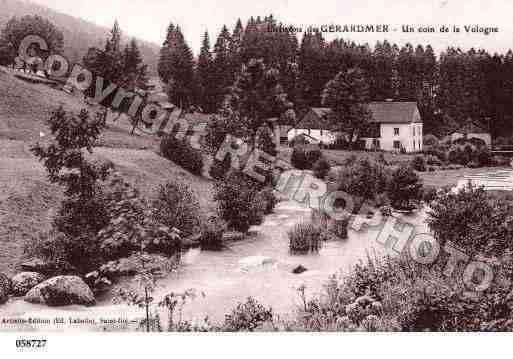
x: 305, y: 238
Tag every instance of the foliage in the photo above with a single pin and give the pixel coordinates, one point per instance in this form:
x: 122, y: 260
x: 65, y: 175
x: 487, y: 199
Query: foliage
x: 17, y: 29
x: 304, y: 238
x: 176, y: 68
x: 248, y: 316
x: 83, y: 210
x: 176, y: 206
x: 347, y: 94
x: 419, y: 163
x: 212, y: 231
x: 405, y: 188
x: 472, y: 219
x: 181, y: 152
x: 255, y: 97
x: 133, y: 225
x: 363, y: 179
x: 237, y: 201
x: 321, y: 168
x: 304, y: 157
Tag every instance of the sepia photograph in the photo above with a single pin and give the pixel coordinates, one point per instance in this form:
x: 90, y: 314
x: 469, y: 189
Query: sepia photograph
x: 265, y: 167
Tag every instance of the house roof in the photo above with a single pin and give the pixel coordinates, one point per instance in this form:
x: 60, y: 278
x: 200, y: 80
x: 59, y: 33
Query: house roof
x: 321, y: 111
x: 393, y: 112
x: 471, y: 127
x: 382, y: 111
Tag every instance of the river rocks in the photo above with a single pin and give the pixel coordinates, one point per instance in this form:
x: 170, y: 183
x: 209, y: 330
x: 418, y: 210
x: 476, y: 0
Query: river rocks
x: 25, y: 281
x: 5, y: 288
x: 48, y: 268
x: 156, y: 264
x: 97, y: 283
x: 299, y: 269
x: 61, y: 290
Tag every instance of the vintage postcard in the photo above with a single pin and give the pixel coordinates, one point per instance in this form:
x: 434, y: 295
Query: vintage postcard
x: 339, y: 166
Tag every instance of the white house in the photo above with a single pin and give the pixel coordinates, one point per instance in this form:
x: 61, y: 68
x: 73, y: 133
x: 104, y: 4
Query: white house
x: 397, y: 126
x: 315, y: 126
x: 400, y: 127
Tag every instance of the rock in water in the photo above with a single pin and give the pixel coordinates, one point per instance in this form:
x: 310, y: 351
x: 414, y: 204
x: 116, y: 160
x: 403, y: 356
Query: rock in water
x: 61, y: 290
x: 5, y: 288
x: 25, y: 281
x: 299, y: 269
x: 255, y: 261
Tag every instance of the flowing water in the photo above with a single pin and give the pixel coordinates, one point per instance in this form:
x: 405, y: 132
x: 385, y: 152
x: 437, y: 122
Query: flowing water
x: 259, y: 266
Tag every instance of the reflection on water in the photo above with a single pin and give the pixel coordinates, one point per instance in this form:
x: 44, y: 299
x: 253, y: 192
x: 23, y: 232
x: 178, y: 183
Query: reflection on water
x: 259, y: 266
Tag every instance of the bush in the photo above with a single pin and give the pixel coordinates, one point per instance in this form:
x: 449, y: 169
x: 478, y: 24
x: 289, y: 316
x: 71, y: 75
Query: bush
x: 304, y: 238
x: 429, y: 194
x: 430, y: 141
x: 419, y: 163
x: 176, y: 206
x: 304, y: 158
x: 335, y: 227
x: 182, y: 153
x: 433, y: 160
x: 133, y: 226
x: 404, y: 188
x: 219, y: 169
x: 298, y: 158
x: 247, y: 316
x: 364, y: 179
x: 212, y: 233
x: 321, y: 168
x: 473, y: 220
x: 237, y: 201
x: 270, y: 200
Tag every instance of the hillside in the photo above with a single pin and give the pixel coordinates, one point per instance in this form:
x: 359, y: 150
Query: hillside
x: 27, y: 200
x: 79, y: 34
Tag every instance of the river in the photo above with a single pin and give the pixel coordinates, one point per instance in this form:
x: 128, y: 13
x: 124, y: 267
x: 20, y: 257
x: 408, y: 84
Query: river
x: 259, y: 266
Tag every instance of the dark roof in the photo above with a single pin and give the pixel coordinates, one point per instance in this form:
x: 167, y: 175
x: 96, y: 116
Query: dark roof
x: 382, y: 111
x: 321, y: 111
x: 393, y: 112
x: 472, y: 127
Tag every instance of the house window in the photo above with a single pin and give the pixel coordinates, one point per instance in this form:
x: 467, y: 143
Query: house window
x: 414, y: 144
x: 397, y: 145
x: 396, y: 131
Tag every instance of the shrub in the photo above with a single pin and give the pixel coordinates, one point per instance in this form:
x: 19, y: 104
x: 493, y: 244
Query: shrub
x: 304, y: 158
x: 212, y: 233
x: 237, y: 201
x: 298, y: 158
x: 219, y: 169
x: 247, y: 316
x: 429, y: 194
x: 304, y: 238
x: 176, y: 206
x: 404, y: 188
x: 181, y: 152
x: 364, y: 179
x: 268, y: 197
x: 133, y: 226
x: 419, y: 163
x: 336, y: 227
x: 321, y: 168
x: 433, y: 160
x: 430, y: 141
x: 473, y: 220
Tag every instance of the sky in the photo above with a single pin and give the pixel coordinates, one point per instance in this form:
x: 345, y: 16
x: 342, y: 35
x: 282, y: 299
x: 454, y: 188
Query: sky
x: 148, y: 19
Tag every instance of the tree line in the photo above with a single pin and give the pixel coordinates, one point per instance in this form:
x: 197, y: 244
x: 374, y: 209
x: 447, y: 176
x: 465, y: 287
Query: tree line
x: 452, y: 90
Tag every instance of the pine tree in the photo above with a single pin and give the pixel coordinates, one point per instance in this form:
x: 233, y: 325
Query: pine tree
x: 222, y: 66
x: 176, y: 68
x: 255, y: 98
x: 206, y: 77
x: 347, y: 96
x: 134, y: 71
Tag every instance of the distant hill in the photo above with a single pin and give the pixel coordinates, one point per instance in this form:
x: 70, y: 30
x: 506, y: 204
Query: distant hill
x: 79, y: 34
